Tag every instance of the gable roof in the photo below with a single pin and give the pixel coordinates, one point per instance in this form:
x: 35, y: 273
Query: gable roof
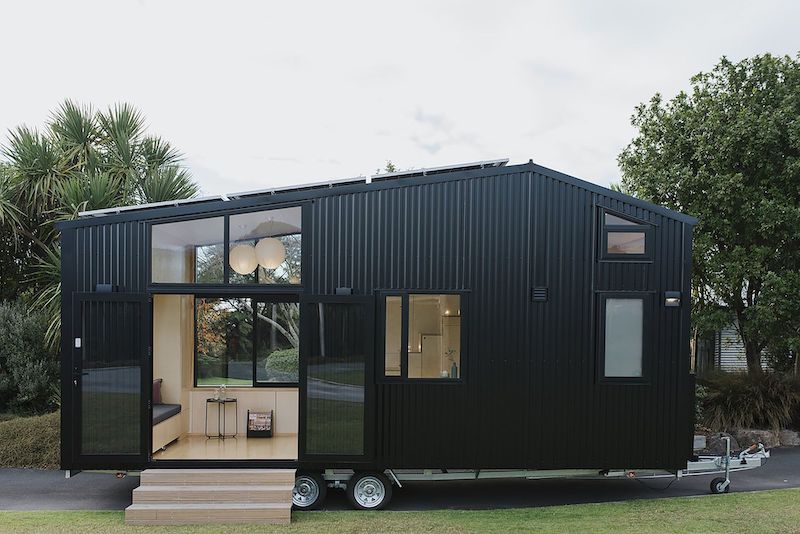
x: 301, y: 192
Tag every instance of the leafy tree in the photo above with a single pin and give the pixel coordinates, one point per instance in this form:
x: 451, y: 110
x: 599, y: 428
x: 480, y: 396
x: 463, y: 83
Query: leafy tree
x: 81, y: 160
x: 728, y: 153
x: 388, y: 168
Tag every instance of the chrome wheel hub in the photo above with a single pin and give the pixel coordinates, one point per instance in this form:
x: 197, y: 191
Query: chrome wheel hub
x: 305, y: 492
x: 369, y: 492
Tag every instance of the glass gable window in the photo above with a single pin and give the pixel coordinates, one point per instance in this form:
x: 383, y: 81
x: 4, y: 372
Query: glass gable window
x: 625, y: 239
x: 188, y: 252
x: 422, y: 336
x: 263, y: 247
x: 242, y: 342
x: 623, y: 337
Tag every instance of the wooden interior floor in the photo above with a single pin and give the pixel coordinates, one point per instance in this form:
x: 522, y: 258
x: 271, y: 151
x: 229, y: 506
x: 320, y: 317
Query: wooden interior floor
x: 190, y: 447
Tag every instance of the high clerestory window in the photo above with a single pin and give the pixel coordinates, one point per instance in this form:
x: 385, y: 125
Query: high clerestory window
x: 625, y: 238
x: 260, y: 247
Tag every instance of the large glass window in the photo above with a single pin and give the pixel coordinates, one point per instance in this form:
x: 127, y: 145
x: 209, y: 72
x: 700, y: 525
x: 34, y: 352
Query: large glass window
x: 625, y: 239
x: 224, y: 341
x: 623, y: 337
x: 277, y: 341
x: 265, y: 247
x: 188, y: 252
x: 431, y: 347
x: 243, y: 342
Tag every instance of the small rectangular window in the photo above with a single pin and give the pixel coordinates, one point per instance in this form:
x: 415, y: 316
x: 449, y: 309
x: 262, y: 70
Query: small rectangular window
x: 625, y: 239
x: 625, y: 243
x: 623, y: 338
x: 422, y: 336
x: 393, y: 334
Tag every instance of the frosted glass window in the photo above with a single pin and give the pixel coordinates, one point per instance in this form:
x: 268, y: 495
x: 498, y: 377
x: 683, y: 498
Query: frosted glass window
x: 624, y: 324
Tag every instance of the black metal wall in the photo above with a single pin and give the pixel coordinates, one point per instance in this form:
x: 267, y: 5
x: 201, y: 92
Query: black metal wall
x: 530, y: 397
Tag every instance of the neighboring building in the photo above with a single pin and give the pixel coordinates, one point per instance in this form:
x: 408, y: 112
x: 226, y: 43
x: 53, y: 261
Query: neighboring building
x: 724, y: 351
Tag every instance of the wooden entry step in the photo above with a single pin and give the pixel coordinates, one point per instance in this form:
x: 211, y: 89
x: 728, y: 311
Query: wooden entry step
x: 197, y: 496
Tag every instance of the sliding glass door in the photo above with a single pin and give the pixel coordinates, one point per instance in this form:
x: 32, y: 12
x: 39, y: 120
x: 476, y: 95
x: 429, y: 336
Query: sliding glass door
x: 336, y: 378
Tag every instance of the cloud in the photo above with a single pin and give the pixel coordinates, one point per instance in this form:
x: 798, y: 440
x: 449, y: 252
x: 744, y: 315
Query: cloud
x: 278, y: 97
x: 438, y: 131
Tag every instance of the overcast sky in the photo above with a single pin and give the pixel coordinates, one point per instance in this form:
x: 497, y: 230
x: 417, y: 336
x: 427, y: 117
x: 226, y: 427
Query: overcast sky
x: 260, y: 94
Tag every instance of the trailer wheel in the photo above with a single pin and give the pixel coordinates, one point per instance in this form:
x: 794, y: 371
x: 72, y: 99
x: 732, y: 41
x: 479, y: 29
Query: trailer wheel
x: 718, y: 486
x: 309, y: 491
x: 369, y: 491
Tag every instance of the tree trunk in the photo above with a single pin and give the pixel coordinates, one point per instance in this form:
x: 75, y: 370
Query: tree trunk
x: 753, y: 354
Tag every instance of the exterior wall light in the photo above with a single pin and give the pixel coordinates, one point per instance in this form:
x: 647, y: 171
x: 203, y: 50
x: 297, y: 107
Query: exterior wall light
x: 672, y: 299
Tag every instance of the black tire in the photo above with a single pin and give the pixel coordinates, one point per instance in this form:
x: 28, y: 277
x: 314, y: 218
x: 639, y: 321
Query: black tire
x: 716, y: 486
x: 369, y: 491
x: 309, y: 491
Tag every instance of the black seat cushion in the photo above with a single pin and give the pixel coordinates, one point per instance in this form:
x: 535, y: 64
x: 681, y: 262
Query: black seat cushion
x: 162, y: 412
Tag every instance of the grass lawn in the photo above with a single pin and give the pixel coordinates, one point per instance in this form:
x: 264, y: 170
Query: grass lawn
x: 216, y: 381
x: 335, y: 427
x: 767, y: 511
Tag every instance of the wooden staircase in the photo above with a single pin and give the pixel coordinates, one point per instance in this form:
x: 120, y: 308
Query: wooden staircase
x: 195, y: 496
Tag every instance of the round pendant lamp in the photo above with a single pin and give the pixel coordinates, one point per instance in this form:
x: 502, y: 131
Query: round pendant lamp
x: 243, y: 259
x: 270, y: 252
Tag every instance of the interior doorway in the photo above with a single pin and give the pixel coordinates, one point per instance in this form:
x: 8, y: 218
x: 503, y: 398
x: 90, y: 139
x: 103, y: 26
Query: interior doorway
x: 225, y: 377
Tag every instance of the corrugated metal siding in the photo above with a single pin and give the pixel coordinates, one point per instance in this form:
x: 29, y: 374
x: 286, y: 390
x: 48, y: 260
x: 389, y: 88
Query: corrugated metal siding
x: 531, y: 396
x: 111, y: 254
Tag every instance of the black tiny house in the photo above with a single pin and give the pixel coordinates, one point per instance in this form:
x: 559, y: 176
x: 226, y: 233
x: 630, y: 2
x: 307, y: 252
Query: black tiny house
x: 476, y: 317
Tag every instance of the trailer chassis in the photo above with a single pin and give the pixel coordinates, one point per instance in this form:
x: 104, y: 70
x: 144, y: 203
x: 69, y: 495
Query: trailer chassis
x: 374, y: 485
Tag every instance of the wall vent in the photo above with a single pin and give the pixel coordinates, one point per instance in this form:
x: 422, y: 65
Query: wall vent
x: 539, y: 294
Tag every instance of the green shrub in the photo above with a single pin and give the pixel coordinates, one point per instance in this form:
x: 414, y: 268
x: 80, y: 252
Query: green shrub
x: 31, y: 441
x: 28, y: 367
x: 285, y: 361
x: 700, y: 394
x: 742, y: 400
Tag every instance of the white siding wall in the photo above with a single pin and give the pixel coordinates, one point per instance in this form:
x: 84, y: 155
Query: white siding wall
x: 730, y: 353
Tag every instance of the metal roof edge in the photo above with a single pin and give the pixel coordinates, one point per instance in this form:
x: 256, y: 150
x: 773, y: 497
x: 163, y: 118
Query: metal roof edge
x: 591, y: 186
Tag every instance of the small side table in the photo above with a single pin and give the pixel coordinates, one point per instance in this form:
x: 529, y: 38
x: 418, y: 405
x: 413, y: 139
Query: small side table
x: 221, y: 422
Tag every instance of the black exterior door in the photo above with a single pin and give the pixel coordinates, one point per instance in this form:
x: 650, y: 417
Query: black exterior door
x: 336, y: 379
x: 111, y: 380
